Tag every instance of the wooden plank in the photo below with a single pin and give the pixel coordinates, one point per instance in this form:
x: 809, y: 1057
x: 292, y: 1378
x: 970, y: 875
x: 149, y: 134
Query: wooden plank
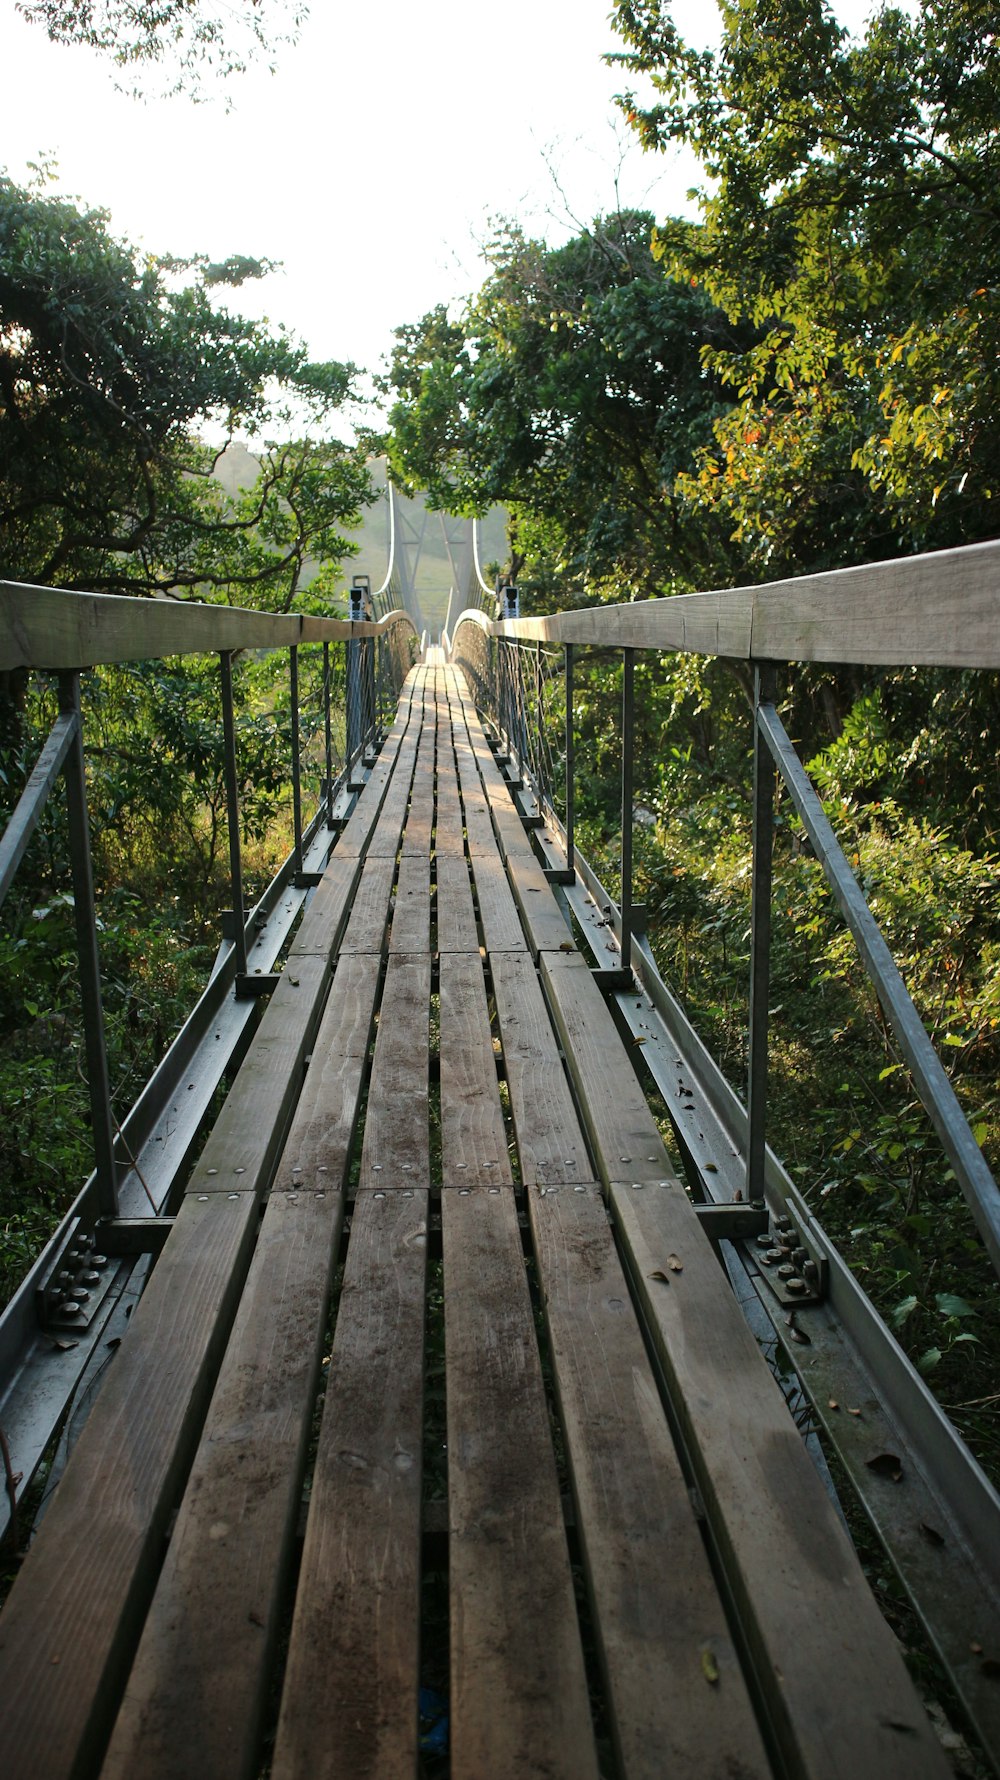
x: 518, y: 1705
x: 388, y: 829
x: 544, y: 922
x: 318, y: 1149
x: 677, y: 1697
x: 550, y: 1143
x: 501, y: 923
x: 473, y: 1139
x: 326, y: 911
x: 69, y: 1629
x: 370, y: 913
x: 838, y: 1695
x: 349, y: 1705
x: 396, y: 1148
x: 411, y: 907
x: 50, y: 627
x: 198, y: 1686
x: 623, y: 1132
x: 449, y: 835
x: 243, y: 1145
x: 456, y: 916
x: 420, y: 815
x: 479, y: 832
x: 940, y: 608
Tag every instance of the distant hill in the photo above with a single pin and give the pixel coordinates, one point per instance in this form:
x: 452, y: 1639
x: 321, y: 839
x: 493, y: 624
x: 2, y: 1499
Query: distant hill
x: 423, y: 536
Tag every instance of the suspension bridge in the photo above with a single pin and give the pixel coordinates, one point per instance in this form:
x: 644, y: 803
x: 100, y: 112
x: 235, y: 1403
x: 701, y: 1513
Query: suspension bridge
x: 431, y: 1419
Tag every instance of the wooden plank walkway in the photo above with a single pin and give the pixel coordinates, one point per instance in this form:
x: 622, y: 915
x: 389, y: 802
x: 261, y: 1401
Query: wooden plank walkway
x: 645, y: 1575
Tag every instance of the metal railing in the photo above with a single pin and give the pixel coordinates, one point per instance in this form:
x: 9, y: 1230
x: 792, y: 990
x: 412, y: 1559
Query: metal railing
x: 936, y: 610
x: 47, y: 629
x: 942, y: 1530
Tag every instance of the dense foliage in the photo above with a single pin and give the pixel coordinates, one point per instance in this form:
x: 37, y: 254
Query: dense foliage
x: 191, y: 36
x: 111, y: 365
x: 804, y: 377
x: 113, y: 369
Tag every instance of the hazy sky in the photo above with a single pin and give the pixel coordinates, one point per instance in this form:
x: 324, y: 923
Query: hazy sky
x: 369, y: 163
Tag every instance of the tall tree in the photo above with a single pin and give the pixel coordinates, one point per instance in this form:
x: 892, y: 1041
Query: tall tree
x: 190, y: 37
x: 570, y: 389
x: 851, y: 216
x: 111, y: 365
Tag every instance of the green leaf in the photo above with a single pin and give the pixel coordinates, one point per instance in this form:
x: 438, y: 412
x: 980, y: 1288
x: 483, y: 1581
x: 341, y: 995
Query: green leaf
x: 950, y: 1304
x: 929, y: 1360
x: 904, y: 1309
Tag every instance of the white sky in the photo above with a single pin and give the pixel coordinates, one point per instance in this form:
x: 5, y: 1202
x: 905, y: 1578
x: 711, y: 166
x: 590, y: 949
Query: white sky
x: 369, y: 163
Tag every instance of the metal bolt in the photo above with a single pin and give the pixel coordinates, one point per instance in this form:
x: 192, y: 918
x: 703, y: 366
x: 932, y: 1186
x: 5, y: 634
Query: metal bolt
x: 786, y: 1270
x: 232, y: 1195
x: 90, y: 1279
x: 810, y: 1271
x: 202, y: 1198
x: 213, y: 1171
x: 795, y: 1284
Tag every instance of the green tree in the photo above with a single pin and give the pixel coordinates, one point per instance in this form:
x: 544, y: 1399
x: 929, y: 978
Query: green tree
x: 570, y: 389
x: 193, y: 36
x: 110, y: 366
x: 851, y: 218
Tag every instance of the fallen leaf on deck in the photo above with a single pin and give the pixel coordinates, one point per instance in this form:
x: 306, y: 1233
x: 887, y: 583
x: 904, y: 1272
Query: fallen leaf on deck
x: 675, y: 1264
x: 931, y: 1534
x: 709, y: 1667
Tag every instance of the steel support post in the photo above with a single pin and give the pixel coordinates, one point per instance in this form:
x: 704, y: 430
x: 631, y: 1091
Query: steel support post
x: 628, y: 762
x: 293, y: 674
x: 99, y: 1086
x: 327, y: 735
x: 570, y: 849
x: 353, y: 700
x: 760, y: 936
x: 233, y: 812
x: 538, y: 718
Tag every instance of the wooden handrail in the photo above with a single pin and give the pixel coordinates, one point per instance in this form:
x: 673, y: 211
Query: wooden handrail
x: 941, y: 609
x: 59, y: 628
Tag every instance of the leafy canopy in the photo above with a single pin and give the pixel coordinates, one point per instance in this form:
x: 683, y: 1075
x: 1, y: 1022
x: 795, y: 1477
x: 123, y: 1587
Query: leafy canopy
x: 570, y: 389
x: 851, y: 216
x: 192, y: 36
x: 110, y: 369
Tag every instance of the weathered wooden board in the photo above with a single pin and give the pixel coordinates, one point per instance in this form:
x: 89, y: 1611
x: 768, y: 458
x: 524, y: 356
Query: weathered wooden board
x: 480, y: 835
x: 240, y: 1152
x: 316, y: 1155
x: 349, y: 1705
x: 70, y: 1626
x: 411, y: 908
x: 622, y: 1130
x: 396, y: 1148
x: 676, y: 1693
x: 501, y: 923
x: 940, y: 609
x: 550, y: 1143
x: 198, y: 1686
x: 544, y: 922
x: 327, y: 910
x: 449, y: 836
x: 838, y: 1696
x: 388, y: 829
x: 420, y: 816
x: 473, y: 1138
x: 456, y: 916
x: 361, y: 823
x: 370, y: 913
x: 518, y: 1705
